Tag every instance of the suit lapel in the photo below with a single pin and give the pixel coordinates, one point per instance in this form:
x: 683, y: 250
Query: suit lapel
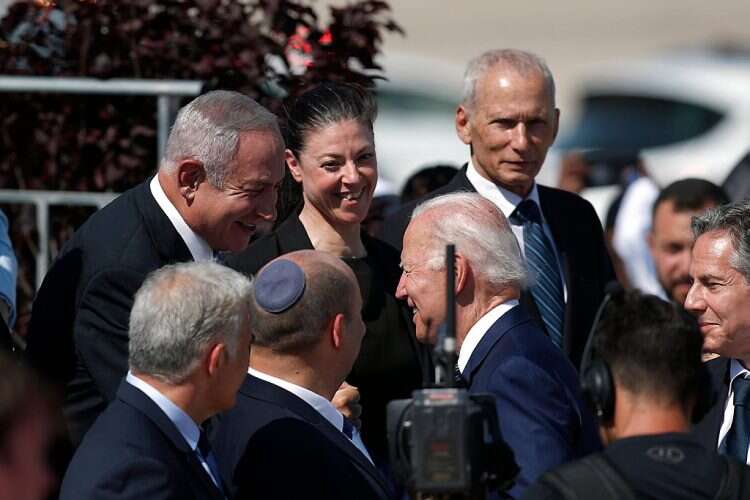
x: 506, y: 322
x: 707, y: 430
x: 138, y: 400
x: 162, y: 233
x: 256, y: 388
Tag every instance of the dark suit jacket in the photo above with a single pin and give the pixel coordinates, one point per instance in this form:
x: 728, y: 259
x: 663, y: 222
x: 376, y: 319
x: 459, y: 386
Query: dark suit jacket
x: 580, y: 243
x: 542, y: 415
x: 391, y: 363
x: 706, y: 430
x: 78, y: 334
x: 272, y: 445
x: 133, y: 451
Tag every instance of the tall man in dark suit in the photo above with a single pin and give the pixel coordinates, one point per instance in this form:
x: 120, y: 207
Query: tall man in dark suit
x: 501, y: 350
x: 284, y: 439
x: 720, y: 299
x: 508, y: 118
x: 215, y: 188
x: 189, y: 349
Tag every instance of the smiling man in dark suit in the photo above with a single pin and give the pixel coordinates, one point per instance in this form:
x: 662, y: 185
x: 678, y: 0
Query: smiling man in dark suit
x: 501, y: 350
x: 508, y: 118
x: 284, y: 439
x: 215, y: 188
x: 720, y: 299
x: 189, y: 349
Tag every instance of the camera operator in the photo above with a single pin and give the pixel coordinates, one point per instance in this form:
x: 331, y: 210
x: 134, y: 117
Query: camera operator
x: 647, y: 383
x: 502, y: 352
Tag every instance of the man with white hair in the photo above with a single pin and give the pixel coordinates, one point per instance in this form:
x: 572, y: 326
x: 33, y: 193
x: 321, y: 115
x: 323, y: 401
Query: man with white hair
x: 189, y: 348
x: 508, y: 118
x: 501, y: 350
x: 215, y: 188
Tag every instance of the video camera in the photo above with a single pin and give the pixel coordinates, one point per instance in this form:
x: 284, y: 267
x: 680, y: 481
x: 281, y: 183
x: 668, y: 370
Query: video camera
x: 445, y: 441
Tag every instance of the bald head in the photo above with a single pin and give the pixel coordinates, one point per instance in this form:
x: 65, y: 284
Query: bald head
x: 329, y: 288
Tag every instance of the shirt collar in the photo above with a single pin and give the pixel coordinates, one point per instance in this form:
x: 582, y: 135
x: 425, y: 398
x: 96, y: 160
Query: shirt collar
x: 736, y: 370
x: 476, y: 332
x: 506, y: 200
x: 199, y: 248
x: 186, y: 425
x: 318, y: 402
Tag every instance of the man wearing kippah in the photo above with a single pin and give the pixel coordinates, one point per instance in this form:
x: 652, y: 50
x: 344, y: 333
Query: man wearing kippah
x: 284, y: 438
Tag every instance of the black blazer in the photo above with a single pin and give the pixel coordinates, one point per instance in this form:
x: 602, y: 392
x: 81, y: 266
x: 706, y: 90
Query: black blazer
x: 273, y: 445
x: 391, y: 363
x: 78, y: 335
x: 579, y: 240
x: 133, y: 451
x: 706, y: 430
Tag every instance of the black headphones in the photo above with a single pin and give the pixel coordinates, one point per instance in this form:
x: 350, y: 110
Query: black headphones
x: 596, y: 378
x: 597, y: 384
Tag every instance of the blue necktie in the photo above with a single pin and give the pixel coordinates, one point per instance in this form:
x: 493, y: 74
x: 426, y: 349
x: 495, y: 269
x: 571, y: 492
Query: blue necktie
x: 348, y: 428
x: 204, y: 448
x: 546, y: 287
x: 738, y: 438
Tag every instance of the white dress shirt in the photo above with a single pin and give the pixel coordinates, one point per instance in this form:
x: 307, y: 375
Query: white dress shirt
x: 476, y: 332
x: 507, y: 201
x: 199, y: 249
x: 184, y: 423
x: 735, y: 370
x: 319, y: 404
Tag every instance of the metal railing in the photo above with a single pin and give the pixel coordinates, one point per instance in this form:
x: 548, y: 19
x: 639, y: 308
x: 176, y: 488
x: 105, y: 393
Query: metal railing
x: 42, y: 201
x: 166, y: 93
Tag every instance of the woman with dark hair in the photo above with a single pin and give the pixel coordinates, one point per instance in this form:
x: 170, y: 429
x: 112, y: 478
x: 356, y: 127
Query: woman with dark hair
x: 331, y: 155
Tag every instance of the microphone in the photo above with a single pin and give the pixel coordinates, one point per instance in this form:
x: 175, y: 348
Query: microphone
x: 610, y: 290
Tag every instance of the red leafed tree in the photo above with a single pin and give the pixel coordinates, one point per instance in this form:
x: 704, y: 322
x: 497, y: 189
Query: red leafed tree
x: 268, y: 49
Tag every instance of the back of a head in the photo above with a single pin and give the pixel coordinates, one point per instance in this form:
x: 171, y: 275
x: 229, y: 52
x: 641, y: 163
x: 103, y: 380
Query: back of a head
x: 480, y: 233
x: 26, y: 427
x: 522, y: 62
x: 208, y: 129
x: 652, y: 347
x: 180, y: 311
x: 427, y: 180
x: 328, y: 290
x: 689, y: 195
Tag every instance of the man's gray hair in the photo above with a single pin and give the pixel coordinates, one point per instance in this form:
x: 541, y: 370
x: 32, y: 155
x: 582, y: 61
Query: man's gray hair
x: 179, y: 311
x: 208, y: 130
x: 328, y: 292
x: 481, y: 234
x: 734, y: 218
x: 524, y: 63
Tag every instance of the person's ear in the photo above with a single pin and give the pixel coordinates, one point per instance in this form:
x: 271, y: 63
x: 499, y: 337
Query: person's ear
x: 294, y: 166
x: 463, y: 127
x: 463, y: 273
x: 337, y: 331
x: 216, y: 358
x: 190, y: 175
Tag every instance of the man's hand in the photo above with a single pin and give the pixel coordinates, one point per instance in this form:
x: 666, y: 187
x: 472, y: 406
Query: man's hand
x: 346, y: 401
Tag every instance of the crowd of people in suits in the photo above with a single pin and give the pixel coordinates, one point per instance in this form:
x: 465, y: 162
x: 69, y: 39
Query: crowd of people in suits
x: 208, y: 343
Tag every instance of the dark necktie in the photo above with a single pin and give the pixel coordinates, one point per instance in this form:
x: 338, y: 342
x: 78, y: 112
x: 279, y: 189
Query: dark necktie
x: 737, y: 439
x: 546, y: 287
x: 204, y: 448
x: 459, y: 378
x: 348, y: 428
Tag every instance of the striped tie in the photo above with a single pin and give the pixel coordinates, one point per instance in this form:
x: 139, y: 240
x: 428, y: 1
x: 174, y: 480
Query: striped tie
x: 546, y: 287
